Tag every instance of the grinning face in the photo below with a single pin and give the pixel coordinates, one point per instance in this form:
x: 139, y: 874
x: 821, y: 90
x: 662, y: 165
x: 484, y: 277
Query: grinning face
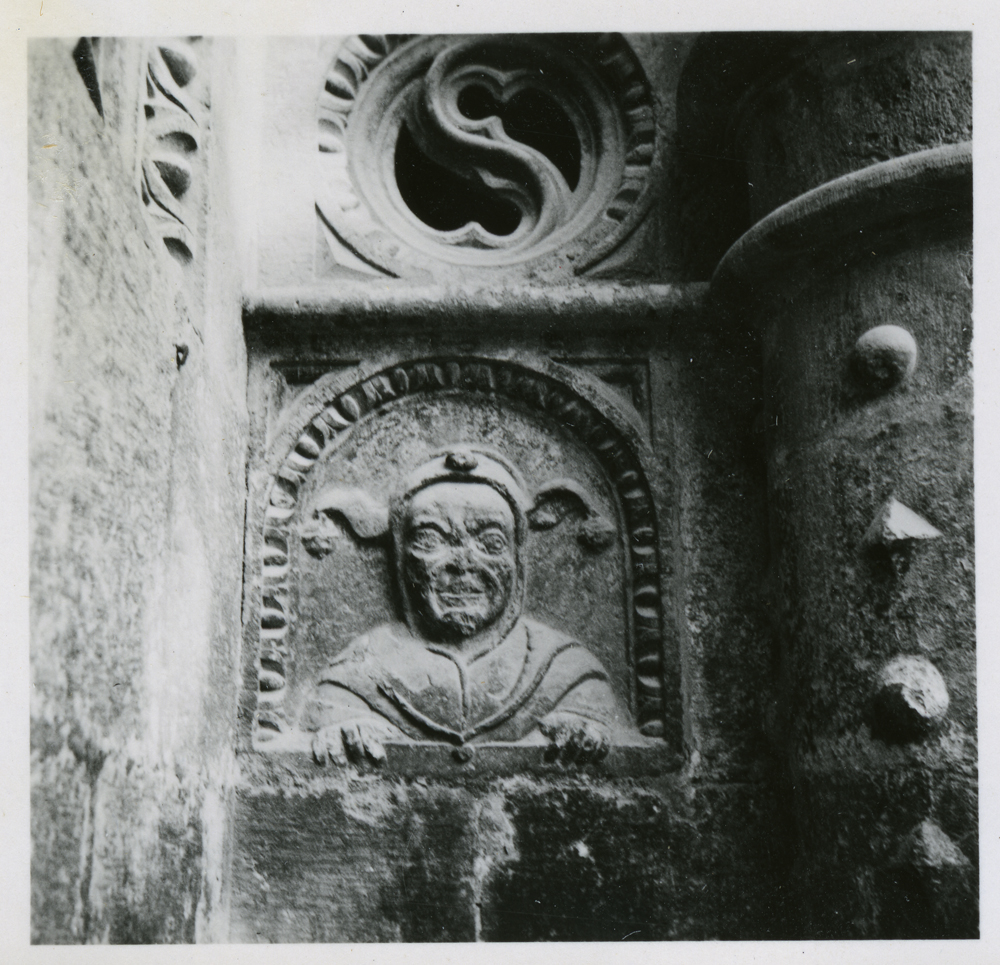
x: 459, y: 557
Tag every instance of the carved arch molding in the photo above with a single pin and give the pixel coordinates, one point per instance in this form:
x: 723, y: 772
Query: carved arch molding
x: 328, y: 420
x: 484, y: 151
x: 170, y: 160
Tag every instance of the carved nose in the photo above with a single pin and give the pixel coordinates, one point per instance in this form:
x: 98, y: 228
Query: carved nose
x: 460, y: 559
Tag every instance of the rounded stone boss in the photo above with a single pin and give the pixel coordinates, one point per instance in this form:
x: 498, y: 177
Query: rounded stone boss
x: 465, y: 664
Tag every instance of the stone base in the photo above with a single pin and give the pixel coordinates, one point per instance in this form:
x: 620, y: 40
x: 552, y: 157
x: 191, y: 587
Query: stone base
x: 334, y: 855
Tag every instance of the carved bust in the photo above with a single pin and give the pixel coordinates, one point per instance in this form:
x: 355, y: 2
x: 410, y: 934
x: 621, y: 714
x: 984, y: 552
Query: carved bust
x: 464, y: 665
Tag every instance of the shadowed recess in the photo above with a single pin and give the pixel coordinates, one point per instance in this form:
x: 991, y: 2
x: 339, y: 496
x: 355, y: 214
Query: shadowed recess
x: 532, y: 118
x: 83, y: 54
x: 447, y: 201
x: 443, y: 199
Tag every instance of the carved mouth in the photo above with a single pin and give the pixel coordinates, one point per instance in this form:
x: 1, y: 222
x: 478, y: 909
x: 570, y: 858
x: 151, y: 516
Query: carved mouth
x: 463, y: 590
x: 462, y: 602
x: 463, y: 599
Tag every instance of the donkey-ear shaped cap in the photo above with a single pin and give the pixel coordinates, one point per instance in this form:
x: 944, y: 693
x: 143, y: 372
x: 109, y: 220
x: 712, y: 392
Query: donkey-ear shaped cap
x: 470, y: 464
x: 367, y: 517
x: 370, y: 519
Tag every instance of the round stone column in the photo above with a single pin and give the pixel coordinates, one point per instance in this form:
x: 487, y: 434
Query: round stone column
x: 857, y: 276
x: 818, y: 106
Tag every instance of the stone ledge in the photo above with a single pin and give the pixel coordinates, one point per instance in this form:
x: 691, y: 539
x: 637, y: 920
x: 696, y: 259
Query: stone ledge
x: 844, y: 216
x: 476, y: 308
x: 441, y: 761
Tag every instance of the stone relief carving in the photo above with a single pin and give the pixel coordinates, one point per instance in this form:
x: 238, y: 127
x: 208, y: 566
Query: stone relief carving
x: 628, y: 377
x: 481, y: 618
x: 883, y: 357
x: 465, y: 664
x: 170, y: 139
x: 482, y: 151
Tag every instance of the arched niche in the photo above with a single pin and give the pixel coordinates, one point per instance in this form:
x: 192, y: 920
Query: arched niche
x: 365, y: 429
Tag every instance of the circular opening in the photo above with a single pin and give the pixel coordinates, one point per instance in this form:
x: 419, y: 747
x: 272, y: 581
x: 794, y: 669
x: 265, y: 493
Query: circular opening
x: 443, y: 199
x: 534, y: 119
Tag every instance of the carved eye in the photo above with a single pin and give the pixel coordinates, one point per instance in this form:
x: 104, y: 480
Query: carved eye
x: 493, y: 542
x: 427, y: 539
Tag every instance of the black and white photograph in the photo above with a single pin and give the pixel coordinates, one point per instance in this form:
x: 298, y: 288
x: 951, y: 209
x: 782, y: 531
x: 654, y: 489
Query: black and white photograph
x: 502, y: 486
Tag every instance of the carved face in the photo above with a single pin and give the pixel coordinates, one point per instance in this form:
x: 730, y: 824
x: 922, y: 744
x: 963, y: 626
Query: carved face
x: 459, y: 557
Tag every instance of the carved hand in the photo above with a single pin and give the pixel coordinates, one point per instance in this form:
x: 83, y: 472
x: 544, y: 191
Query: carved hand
x: 575, y: 739
x: 352, y: 740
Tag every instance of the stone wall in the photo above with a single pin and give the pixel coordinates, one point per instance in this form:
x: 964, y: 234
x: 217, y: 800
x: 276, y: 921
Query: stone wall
x: 808, y: 767
x: 544, y: 856
x: 137, y: 501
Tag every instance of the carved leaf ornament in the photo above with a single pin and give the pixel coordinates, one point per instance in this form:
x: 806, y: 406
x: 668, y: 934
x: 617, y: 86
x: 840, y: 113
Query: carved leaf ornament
x: 171, y: 138
x: 559, y: 502
x: 482, y: 151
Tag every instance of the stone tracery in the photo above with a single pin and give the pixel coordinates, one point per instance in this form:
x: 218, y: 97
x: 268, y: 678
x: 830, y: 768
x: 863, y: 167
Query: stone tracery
x: 483, y: 152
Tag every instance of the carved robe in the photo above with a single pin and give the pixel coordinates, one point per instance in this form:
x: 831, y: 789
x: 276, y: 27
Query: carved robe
x: 433, y: 692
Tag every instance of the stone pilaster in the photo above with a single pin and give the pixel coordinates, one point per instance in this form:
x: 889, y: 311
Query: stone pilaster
x: 858, y: 278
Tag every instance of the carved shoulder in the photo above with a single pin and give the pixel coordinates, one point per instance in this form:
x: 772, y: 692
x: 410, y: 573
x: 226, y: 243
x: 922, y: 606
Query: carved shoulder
x: 541, y: 634
x: 357, y: 652
x: 566, y: 659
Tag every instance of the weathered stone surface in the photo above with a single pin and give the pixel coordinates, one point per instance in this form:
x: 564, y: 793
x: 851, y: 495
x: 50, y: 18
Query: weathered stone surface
x: 559, y: 178
x: 726, y: 651
x: 897, y: 527
x: 879, y: 96
x: 701, y: 486
x: 852, y: 885
x: 354, y: 858
x: 912, y: 696
x: 60, y: 841
x: 297, y: 248
x: 870, y: 756
x: 137, y: 490
x: 466, y: 665
x: 935, y: 887
x: 729, y: 661
x: 644, y: 863
x: 767, y: 117
x: 581, y: 449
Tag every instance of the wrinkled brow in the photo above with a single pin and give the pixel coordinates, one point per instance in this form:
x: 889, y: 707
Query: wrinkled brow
x: 478, y: 525
x: 435, y: 520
